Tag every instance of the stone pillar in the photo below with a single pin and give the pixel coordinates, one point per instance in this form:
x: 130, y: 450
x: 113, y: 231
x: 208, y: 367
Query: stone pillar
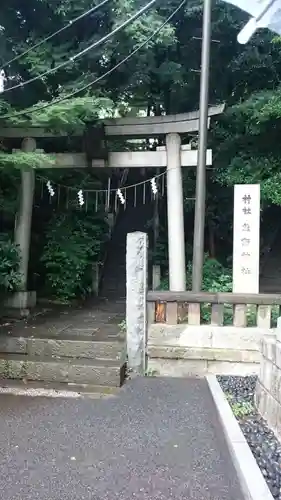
x: 156, y: 276
x: 24, y: 215
x: 136, y: 281
x: 177, y: 268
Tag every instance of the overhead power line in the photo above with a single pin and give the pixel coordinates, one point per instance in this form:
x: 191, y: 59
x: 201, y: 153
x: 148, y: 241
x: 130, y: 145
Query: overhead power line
x: 109, y: 72
x: 70, y: 23
x: 84, y: 51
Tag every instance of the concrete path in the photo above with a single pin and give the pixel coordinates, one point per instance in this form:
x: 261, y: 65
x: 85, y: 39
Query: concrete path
x: 159, y: 439
x: 93, y: 317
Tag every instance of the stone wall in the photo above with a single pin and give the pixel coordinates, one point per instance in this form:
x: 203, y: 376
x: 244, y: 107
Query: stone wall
x: 183, y: 350
x: 268, y: 389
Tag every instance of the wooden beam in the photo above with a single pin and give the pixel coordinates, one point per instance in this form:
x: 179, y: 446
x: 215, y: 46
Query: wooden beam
x: 215, y: 298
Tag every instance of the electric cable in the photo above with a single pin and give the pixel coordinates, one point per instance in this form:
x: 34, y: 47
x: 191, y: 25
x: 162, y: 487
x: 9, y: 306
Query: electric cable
x: 70, y: 23
x: 84, y: 51
x: 107, y: 73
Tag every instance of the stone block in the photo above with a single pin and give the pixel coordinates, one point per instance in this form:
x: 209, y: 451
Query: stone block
x: 264, y: 316
x: 257, y: 395
x: 69, y: 371
x: 262, y: 402
x: 261, y: 370
x: 276, y: 384
x: 240, y: 339
x: 207, y: 354
x: 11, y: 368
x: 232, y: 368
x: 269, y: 348
x: 88, y: 349
x: 21, y: 300
x: 278, y: 421
x: 176, y: 367
x: 278, y: 355
x: 266, y: 374
x: 278, y: 329
x: 180, y: 335
x: 270, y: 411
x: 10, y: 345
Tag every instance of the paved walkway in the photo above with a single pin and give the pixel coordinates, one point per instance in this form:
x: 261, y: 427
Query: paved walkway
x: 159, y: 439
x: 94, y: 317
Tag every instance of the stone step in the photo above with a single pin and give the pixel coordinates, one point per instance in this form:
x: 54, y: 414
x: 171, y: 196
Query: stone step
x: 56, y: 389
x: 67, y: 370
x: 73, y: 347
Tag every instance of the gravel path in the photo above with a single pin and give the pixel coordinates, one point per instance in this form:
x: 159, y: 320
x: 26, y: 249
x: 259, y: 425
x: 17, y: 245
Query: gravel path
x: 160, y: 439
x: 264, y: 445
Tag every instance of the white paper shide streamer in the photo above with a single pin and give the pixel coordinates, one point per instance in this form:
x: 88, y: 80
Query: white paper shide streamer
x: 80, y: 197
x: 50, y: 189
x: 153, y: 186
x: 121, y: 196
x: 2, y: 81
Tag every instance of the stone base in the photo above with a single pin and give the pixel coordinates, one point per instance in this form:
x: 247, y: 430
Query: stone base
x: 183, y: 350
x: 65, y: 370
x: 21, y: 300
x: 199, y: 367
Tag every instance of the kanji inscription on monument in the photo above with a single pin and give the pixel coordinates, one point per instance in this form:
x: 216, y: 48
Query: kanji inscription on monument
x: 246, y: 238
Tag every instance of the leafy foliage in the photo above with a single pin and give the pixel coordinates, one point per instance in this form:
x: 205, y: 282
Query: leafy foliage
x: 73, y: 243
x: 241, y: 409
x: 25, y: 160
x: 67, y: 115
x: 9, y: 265
x: 249, y: 146
x: 162, y: 78
x: 216, y: 277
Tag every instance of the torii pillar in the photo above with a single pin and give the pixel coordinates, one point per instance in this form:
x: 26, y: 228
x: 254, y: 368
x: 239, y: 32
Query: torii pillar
x: 23, y: 298
x: 176, y: 241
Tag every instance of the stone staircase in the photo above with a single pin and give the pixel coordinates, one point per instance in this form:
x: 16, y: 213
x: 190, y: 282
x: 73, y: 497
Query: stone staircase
x: 77, y: 349
x: 82, y: 348
x: 114, y: 277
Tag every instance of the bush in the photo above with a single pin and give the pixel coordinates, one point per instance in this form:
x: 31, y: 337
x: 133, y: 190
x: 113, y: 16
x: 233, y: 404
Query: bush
x: 73, y: 243
x: 10, y: 277
x: 216, y: 277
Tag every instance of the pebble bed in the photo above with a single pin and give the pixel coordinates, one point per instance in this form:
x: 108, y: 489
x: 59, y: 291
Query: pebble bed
x: 264, y: 445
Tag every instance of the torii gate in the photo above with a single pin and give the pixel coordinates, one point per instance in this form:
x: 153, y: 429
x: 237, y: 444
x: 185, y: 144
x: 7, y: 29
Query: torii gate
x: 173, y: 156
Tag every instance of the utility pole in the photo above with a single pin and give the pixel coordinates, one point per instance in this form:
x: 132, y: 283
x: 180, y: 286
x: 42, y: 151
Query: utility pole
x: 199, y: 219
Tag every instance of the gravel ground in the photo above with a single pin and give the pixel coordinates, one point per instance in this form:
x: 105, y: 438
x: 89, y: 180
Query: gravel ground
x: 264, y: 445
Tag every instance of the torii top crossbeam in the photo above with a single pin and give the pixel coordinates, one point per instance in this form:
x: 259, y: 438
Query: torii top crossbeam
x: 147, y: 126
